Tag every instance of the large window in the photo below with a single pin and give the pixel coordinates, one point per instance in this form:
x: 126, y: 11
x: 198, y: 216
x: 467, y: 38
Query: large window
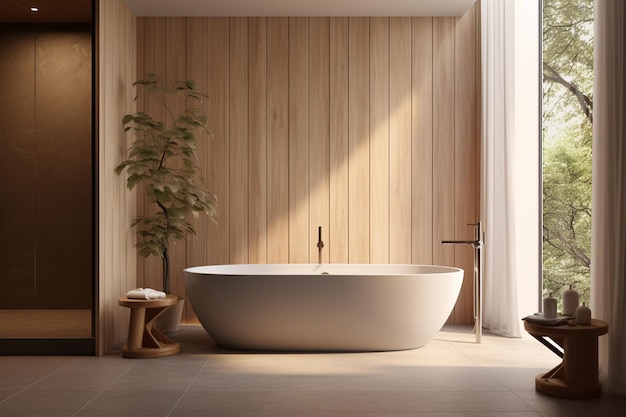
x: 567, y: 136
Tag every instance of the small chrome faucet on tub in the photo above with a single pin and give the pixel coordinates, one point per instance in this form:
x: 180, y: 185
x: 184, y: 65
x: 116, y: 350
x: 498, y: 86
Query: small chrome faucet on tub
x: 320, y: 244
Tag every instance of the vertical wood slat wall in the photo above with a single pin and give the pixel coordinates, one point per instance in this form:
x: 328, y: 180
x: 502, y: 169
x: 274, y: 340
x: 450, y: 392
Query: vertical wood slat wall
x: 364, y: 126
x: 117, y: 271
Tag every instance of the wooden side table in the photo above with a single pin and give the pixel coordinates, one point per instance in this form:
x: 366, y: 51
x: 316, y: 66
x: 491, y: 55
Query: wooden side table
x: 145, y: 340
x: 577, y: 375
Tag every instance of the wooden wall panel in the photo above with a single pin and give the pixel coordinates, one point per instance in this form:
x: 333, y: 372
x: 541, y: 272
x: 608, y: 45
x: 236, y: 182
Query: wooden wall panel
x: 238, y: 140
x: 298, y: 140
x: 154, y: 58
x: 257, y: 137
x: 319, y: 137
x: 175, y: 69
x: 443, y: 139
x: 218, y: 105
x: 364, y: 126
x: 278, y: 140
x: 117, y: 68
x: 358, y: 140
x: 400, y: 222
x: 195, y: 62
x: 467, y: 164
x: 422, y: 141
x: 336, y: 244
x: 379, y: 140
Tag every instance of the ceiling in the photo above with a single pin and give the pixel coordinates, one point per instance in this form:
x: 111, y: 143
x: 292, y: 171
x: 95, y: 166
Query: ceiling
x: 299, y: 7
x: 50, y: 11
x: 73, y: 11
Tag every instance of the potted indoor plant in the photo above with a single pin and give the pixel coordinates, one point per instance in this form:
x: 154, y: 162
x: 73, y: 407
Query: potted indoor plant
x: 162, y: 159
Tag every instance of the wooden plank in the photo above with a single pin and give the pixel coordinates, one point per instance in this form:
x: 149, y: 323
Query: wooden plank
x: 196, y: 63
x: 337, y: 241
x: 238, y: 140
x: 218, y: 103
x: 142, y: 46
x: 359, y: 141
x: 379, y: 140
x: 298, y: 140
x: 257, y: 131
x: 319, y: 136
x: 133, y: 28
x: 278, y: 139
x: 108, y: 284
x: 118, y: 63
x: 400, y: 222
x: 443, y: 132
x: 154, y: 63
x: 422, y: 141
x: 175, y: 70
x: 467, y: 169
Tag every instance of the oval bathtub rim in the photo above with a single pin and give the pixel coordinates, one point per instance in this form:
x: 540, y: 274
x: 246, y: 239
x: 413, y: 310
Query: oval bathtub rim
x: 207, y: 269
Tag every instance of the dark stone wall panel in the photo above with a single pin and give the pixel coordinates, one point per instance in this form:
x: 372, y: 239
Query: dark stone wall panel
x: 63, y: 185
x: 46, y: 167
x: 17, y: 166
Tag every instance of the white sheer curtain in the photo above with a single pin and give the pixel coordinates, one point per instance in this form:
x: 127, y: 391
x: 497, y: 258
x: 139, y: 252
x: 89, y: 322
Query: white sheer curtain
x: 608, y: 248
x: 500, y: 311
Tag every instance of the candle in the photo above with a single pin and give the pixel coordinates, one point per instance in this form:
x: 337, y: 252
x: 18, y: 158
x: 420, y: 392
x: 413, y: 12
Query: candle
x: 549, y: 307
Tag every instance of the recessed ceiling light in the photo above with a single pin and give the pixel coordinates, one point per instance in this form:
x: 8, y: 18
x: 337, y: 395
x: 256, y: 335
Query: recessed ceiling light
x: 34, y: 9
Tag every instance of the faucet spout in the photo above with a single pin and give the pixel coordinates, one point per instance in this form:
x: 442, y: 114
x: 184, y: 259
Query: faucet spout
x: 320, y: 244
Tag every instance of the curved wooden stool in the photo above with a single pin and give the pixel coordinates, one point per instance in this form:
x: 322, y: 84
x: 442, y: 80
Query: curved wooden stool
x: 144, y: 339
x: 577, y: 375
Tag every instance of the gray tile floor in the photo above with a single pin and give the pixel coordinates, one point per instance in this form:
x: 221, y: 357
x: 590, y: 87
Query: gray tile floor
x: 449, y: 377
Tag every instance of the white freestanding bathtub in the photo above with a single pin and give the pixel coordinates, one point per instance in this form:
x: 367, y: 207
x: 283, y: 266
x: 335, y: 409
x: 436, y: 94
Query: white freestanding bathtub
x: 323, y: 307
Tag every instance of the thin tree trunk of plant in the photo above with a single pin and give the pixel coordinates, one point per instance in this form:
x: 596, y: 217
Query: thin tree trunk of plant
x: 166, y: 271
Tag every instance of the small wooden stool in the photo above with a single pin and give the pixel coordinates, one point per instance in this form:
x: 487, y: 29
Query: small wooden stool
x: 144, y: 339
x: 577, y: 375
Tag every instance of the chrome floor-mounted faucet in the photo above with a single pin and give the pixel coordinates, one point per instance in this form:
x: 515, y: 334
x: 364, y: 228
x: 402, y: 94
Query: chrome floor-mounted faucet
x: 477, y: 244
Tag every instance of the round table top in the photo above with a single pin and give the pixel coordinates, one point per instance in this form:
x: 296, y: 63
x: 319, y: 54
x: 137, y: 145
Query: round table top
x: 596, y: 328
x: 155, y: 302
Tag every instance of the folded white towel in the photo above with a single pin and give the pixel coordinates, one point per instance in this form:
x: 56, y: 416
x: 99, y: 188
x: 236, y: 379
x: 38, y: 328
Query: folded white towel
x: 538, y: 318
x: 145, y: 294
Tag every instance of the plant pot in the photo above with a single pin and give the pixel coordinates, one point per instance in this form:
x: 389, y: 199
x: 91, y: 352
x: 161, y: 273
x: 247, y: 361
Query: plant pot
x: 169, y: 321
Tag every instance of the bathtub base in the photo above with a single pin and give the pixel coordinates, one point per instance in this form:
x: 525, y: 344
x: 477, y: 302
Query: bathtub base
x: 323, y: 308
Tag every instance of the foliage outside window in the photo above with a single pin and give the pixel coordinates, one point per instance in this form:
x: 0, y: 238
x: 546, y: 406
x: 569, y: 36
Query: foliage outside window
x: 567, y: 143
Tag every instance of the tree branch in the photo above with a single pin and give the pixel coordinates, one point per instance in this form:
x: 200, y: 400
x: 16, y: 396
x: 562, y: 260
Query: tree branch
x: 586, y: 104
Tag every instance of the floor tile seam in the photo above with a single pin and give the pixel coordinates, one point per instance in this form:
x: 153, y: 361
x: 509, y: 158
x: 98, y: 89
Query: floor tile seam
x: 453, y: 344
x: 187, y: 388
x: 26, y: 388
x: 352, y: 391
x: 92, y: 399
x: 541, y: 413
x: 384, y: 408
x: 482, y: 368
